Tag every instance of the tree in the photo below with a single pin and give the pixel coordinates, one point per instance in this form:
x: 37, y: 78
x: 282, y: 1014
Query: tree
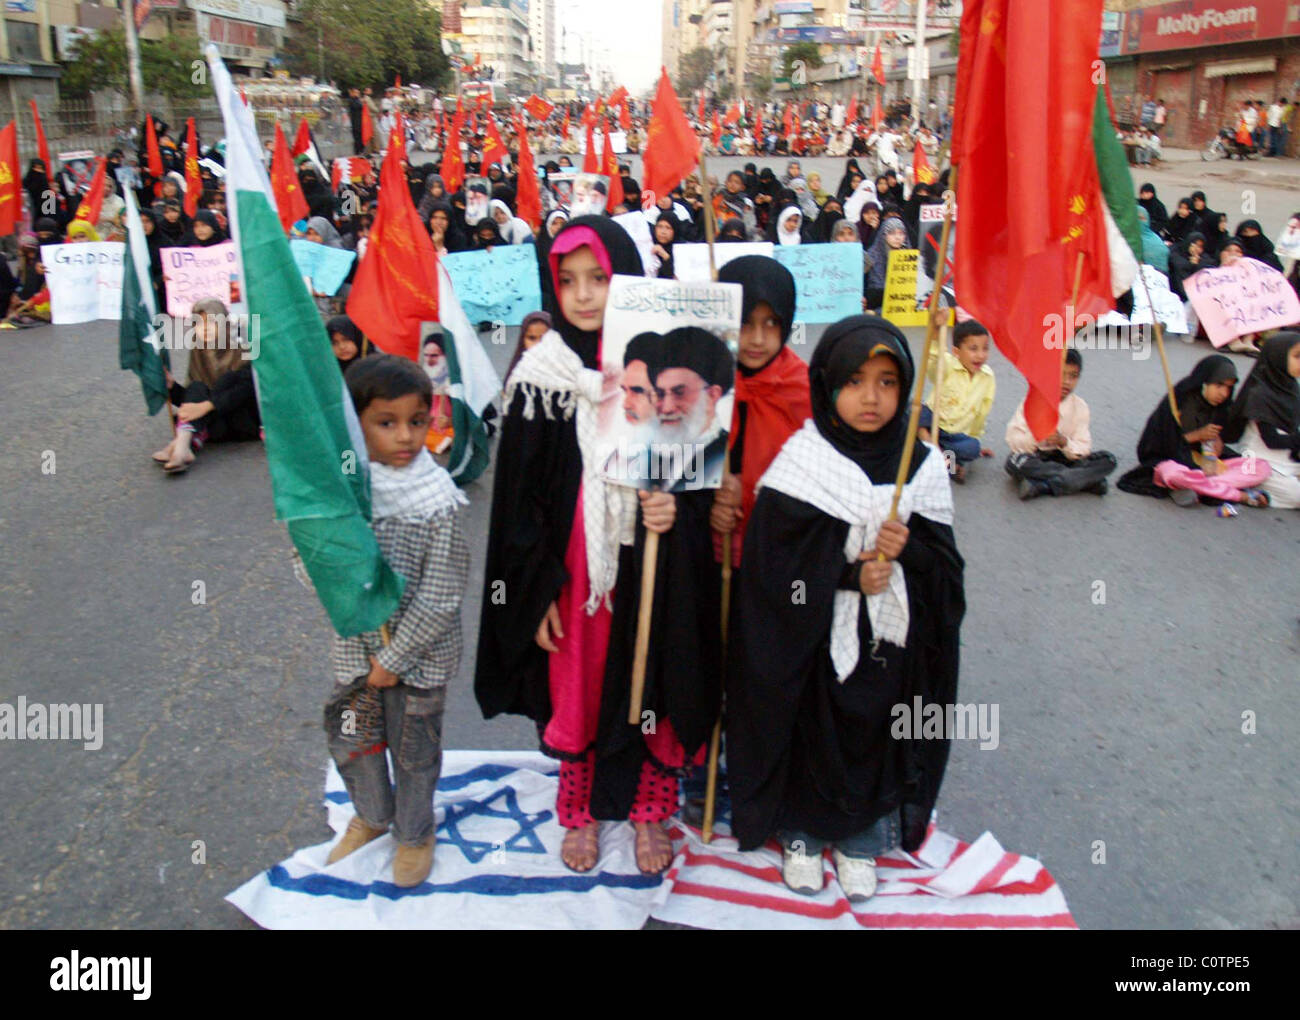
x: 798, y: 59
x: 355, y: 45
x: 761, y: 86
x: 167, y: 65
x: 725, y: 91
x: 693, y: 69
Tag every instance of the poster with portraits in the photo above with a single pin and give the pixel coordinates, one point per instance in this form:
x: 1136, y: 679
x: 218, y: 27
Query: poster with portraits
x: 478, y: 193
x: 668, y: 355
x: 582, y: 194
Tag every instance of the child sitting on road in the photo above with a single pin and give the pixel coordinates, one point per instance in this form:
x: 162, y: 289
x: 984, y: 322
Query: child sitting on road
x: 966, y: 397
x: 1064, y: 462
x: 394, y: 683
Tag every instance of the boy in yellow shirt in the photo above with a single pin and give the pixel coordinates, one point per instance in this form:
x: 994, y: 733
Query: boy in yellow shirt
x: 965, y: 399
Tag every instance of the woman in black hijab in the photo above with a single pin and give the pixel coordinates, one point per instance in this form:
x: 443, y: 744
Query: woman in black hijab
x: 442, y: 217
x: 765, y: 199
x: 1265, y: 417
x: 731, y: 231
x: 1182, y: 223
x: 1203, y: 399
x: 1156, y: 211
x: 812, y: 684
x: 347, y: 341
x: 831, y: 211
x: 1207, y: 219
x: 486, y: 236
x: 1187, y: 259
x: 36, y: 183
x: 847, y: 185
x: 662, y: 236
x: 149, y: 224
x: 1255, y: 245
x: 204, y: 232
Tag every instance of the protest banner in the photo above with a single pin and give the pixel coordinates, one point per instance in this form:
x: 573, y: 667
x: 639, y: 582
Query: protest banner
x: 192, y: 274
x: 85, y: 280
x: 934, y: 213
x: 638, y: 228
x: 500, y: 285
x: 1245, y: 297
x: 478, y: 193
x: 827, y: 279
x: 899, y: 305
x: 326, y: 268
x: 664, y: 416
x: 80, y: 166
x: 691, y: 261
x: 590, y: 195
x: 1169, y: 308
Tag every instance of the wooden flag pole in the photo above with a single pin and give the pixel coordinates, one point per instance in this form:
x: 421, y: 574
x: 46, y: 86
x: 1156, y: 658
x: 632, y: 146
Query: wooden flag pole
x: 715, y: 742
x: 649, y: 562
x: 1159, y: 328
x: 710, y: 226
x: 931, y: 336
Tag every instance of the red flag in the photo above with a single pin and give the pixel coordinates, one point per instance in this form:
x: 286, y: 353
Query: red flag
x: 788, y: 122
x: 588, y: 116
x: 717, y: 130
x: 758, y: 127
x: 193, y: 179
x: 453, y: 164
x: 93, y: 202
x: 396, y: 285
x: 877, y: 115
x: 538, y: 108
x: 398, y: 83
x: 671, y: 147
x: 397, y: 138
x: 699, y: 109
x: 733, y: 114
x: 42, y: 147
x: 11, y: 206
x: 590, y: 164
x: 565, y: 131
x: 609, y: 167
x: 154, y: 154
x: 852, y: 113
x: 302, y: 140
x: 619, y: 95
x: 624, y: 117
x: 922, y: 171
x: 878, y: 66
x: 367, y: 128
x: 289, y: 200
x: 494, y: 150
x: 1025, y: 100
x: 528, y: 197
x: 339, y: 173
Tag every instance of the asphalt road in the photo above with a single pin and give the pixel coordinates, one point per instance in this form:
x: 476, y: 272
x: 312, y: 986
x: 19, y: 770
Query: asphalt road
x: 1120, y: 723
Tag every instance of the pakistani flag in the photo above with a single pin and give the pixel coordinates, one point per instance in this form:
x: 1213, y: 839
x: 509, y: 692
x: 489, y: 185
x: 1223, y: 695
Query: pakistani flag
x: 1123, y: 234
x: 473, y: 385
x: 139, y: 348
x: 314, y: 446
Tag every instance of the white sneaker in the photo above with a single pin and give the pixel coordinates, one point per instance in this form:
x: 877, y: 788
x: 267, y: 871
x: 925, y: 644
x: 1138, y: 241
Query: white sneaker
x: 802, y: 872
x: 857, y: 876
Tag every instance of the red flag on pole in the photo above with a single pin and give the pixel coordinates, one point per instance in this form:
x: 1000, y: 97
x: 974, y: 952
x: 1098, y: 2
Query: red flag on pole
x: 528, y: 197
x: 877, y: 115
x: 619, y: 95
x: 733, y: 114
x: 367, y: 128
x: 852, y: 113
x: 624, y: 117
x: 590, y: 163
x: 302, y: 140
x: 193, y: 179
x: 1025, y: 101
x: 42, y: 147
x: 93, y: 202
x: 494, y: 150
x: 396, y: 285
x: 453, y: 164
x: 154, y: 154
x: 609, y: 167
x: 878, y: 66
x: 672, y: 147
x: 289, y: 201
x: 11, y: 206
x: 538, y: 108
x: 922, y: 171
x: 717, y: 130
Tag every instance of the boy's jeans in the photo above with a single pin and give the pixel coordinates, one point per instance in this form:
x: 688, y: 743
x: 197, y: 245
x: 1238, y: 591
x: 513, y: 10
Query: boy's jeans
x: 413, y: 729
x: 965, y: 448
x: 884, y: 835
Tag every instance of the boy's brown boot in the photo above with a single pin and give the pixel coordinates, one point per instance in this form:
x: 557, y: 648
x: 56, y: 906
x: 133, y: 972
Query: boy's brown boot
x: 413, y: 864
x: 357, y: 835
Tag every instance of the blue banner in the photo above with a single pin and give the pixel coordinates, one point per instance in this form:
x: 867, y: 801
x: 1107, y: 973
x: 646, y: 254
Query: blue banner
x: 327, y: 267
x: 827, y: 279
x: 500, y: 285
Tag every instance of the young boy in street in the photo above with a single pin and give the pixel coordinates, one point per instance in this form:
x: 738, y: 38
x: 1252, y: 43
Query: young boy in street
x: 965, y: 399
x: 1064, y: 462
x: 390, y: 687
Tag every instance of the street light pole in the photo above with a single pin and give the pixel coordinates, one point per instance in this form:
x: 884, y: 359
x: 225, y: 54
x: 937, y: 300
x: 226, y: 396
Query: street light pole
x: 133, y: 56
x: 918, y: 81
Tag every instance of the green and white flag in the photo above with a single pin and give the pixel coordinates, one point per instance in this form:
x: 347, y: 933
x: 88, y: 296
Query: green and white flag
x: 1123, y: 235
x: 139, y: 348
x: 473, y: 385
x: 314, y: 447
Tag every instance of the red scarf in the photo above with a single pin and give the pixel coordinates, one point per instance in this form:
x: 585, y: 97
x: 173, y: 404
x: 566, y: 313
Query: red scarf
x: 778, y: 405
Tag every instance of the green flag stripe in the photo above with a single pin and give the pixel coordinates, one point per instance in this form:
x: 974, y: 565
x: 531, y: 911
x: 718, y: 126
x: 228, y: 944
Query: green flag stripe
x: 1116, y: 182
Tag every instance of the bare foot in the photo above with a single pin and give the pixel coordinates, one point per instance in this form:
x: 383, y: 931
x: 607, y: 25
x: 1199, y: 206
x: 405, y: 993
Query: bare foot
x: 581, y: 847
x: 180, y: 460
x: 165, y: 454
x: 654, y: 850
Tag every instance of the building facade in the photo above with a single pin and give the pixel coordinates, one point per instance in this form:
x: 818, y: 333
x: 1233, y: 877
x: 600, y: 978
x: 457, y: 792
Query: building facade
x: 542, y: 33
x: 1203, y: 58
x: 498, y: 31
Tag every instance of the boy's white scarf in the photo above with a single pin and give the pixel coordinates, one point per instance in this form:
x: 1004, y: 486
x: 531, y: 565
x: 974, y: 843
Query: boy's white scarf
x: 810, y: 469
x: 414, y: 493
x: 551, y: 373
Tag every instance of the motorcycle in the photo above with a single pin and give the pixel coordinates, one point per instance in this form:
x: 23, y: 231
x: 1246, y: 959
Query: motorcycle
x: 1224, y: 145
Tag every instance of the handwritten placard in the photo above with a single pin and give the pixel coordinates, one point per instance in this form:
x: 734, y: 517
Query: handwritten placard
x: 85, y: 280
x: 192, y: 274
x: 1245, y: 297
x: 324, y: 266
x: 691, y: 261
x: 899, y: 305
x: 500, y: 285
x: 827, y: 279
x: 1168, y: 308
x: 638, y: 228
